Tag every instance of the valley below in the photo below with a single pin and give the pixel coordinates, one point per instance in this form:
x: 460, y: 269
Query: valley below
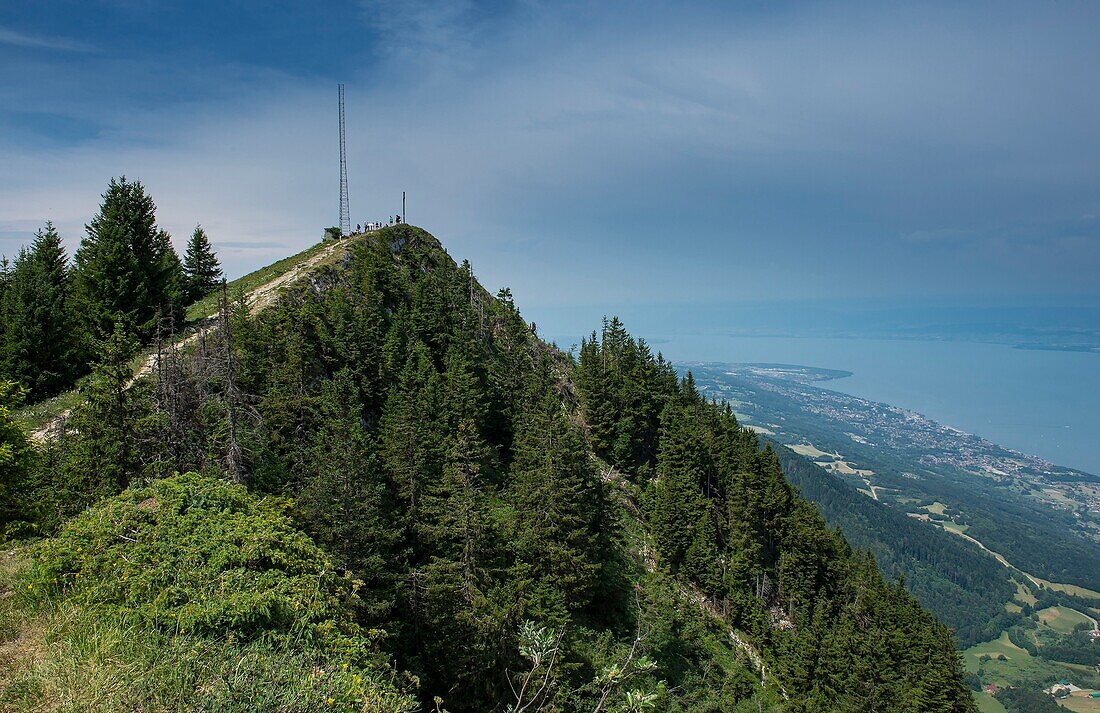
x: 1032, y: 621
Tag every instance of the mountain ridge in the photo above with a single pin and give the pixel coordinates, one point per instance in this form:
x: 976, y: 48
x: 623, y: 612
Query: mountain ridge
x: 439, y: 452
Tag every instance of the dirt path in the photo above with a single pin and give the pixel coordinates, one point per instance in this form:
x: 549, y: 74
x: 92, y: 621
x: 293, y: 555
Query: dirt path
x: 1000, y: 558
x: 259, y: 298
x: 996, y: 555
x: 1095, y: 625
x: 610, y: 475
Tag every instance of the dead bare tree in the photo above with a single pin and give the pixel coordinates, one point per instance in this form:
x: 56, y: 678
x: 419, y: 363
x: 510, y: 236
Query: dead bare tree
x: 614, y: 677
x: 541, y: 648
x: 234, y: 459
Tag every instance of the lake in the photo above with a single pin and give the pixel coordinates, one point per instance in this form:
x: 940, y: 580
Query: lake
x: 1046, y: 403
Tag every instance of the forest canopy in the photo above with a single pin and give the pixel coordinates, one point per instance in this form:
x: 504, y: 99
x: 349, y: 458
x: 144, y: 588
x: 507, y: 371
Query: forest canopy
x: 511, y: 527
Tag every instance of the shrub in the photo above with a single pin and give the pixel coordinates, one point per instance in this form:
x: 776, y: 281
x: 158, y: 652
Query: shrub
x: 192, y: 590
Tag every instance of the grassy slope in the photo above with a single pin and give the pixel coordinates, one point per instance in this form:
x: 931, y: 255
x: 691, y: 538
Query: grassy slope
x: 1062, y: 619
x: 209, y: 304
x: 1020, y: 666
x: 988, y: 704
x: 34, y: 416
x: 51, y: 650
x: 104, y: 653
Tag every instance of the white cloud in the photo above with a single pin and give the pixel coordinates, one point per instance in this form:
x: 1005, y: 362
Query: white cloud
x: 9, y: 36
x: 626, y: 155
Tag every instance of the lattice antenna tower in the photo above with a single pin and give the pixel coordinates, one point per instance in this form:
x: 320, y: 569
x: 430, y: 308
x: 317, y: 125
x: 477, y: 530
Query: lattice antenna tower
x: 345, y: 208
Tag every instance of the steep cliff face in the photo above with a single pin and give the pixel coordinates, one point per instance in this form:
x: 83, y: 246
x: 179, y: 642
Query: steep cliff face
x: 524, y: 530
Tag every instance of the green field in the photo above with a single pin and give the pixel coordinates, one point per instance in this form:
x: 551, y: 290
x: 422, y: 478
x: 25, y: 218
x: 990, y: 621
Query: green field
x: 1069, y: 588
x: 936, y: 508
x: 1020, y: 667
x: 987, y: 703
x: 1023, y: 594
x: 1062, y: 619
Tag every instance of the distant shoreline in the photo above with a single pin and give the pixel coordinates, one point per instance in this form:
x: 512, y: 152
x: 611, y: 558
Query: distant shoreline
x: 1059, y: 348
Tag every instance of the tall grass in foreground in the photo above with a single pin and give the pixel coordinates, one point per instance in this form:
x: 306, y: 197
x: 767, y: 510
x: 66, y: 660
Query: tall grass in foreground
x: 188, y: 594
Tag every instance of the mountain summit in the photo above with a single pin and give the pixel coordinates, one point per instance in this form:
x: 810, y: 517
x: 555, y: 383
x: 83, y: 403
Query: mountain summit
x: 380, y: 490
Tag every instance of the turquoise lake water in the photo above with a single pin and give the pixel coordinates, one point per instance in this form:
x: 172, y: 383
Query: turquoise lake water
x: 1045, y: 403
x: 1042, y: 402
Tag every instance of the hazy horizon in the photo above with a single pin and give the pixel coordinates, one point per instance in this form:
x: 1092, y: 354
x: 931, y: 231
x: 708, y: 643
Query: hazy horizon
x: 625, y: 155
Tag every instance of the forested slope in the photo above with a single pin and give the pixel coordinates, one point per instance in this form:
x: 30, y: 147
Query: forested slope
x: 966, y: 588
x: 521, y: 530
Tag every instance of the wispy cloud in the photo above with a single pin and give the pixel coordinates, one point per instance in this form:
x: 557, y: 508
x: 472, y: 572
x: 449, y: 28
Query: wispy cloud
x: 243, y: 245
x: 939, y: 236
x: 19, y: 39
x: 718, y: 150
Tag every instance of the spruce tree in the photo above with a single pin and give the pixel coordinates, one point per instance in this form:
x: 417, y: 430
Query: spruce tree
x: 559, y: 502
x: 17, y: 499
x: 39, y: 346
x: 125, y: 267
x: 676, y: 504
x: 169, y: 276
x: 101, y: 449
x: 201, y: 269
x: 344, y: 498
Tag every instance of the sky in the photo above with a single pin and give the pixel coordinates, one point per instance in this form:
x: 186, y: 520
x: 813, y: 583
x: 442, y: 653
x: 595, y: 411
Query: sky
x: 595, y: 157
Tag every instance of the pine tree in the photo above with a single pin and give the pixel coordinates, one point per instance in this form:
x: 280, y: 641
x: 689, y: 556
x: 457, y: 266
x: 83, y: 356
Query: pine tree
x: 39, y: 345
x: 124, y: 267
x: 101, y: 448
x: 412, y: 434
x: 677, y: 505
x: 559, y: 502
x: 171, y: 280
x: 201, y: 269
x: 344, y: 498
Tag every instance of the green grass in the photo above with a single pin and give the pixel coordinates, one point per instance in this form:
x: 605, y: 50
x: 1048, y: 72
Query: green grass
x: 1024, y: 594
x: 1070, y: 588
x: 937, y: 508
x: 1020, y: 668
x: 209, y: 304
x: 84, y: 626
x: 73, y: 661
x: 37, y: 415
x: 1062, y: 619
x: 987, y: 703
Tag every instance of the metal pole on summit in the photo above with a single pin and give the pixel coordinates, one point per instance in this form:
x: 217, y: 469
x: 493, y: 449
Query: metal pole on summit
x: 345, y: 209
x: 403, y: 219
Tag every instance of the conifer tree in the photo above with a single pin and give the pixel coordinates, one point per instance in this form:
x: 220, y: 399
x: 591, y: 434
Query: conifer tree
x: 38, y: 341
x: 5, y: 277
x: 677, y: 504
x: 124, y: 267
x: 411, y: 432
x: 344, y: 497
x: 201, y: 269
x: 559, y: 502
x: 101, y: 452
x: 171, y: 280
x: 17, y: 500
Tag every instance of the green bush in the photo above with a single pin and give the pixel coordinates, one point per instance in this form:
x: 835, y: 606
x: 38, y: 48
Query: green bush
x: 191, y: 592
x: 194, y: 554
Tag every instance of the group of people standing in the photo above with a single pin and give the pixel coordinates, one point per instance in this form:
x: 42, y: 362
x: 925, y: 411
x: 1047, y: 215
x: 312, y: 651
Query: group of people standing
x: 368, y: 227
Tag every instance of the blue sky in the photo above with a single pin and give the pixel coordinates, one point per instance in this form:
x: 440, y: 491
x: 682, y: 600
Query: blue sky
x: 593, y: 156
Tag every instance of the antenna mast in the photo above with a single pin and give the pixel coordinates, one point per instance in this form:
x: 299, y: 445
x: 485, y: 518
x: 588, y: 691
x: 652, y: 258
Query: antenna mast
x: 345, y: 209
